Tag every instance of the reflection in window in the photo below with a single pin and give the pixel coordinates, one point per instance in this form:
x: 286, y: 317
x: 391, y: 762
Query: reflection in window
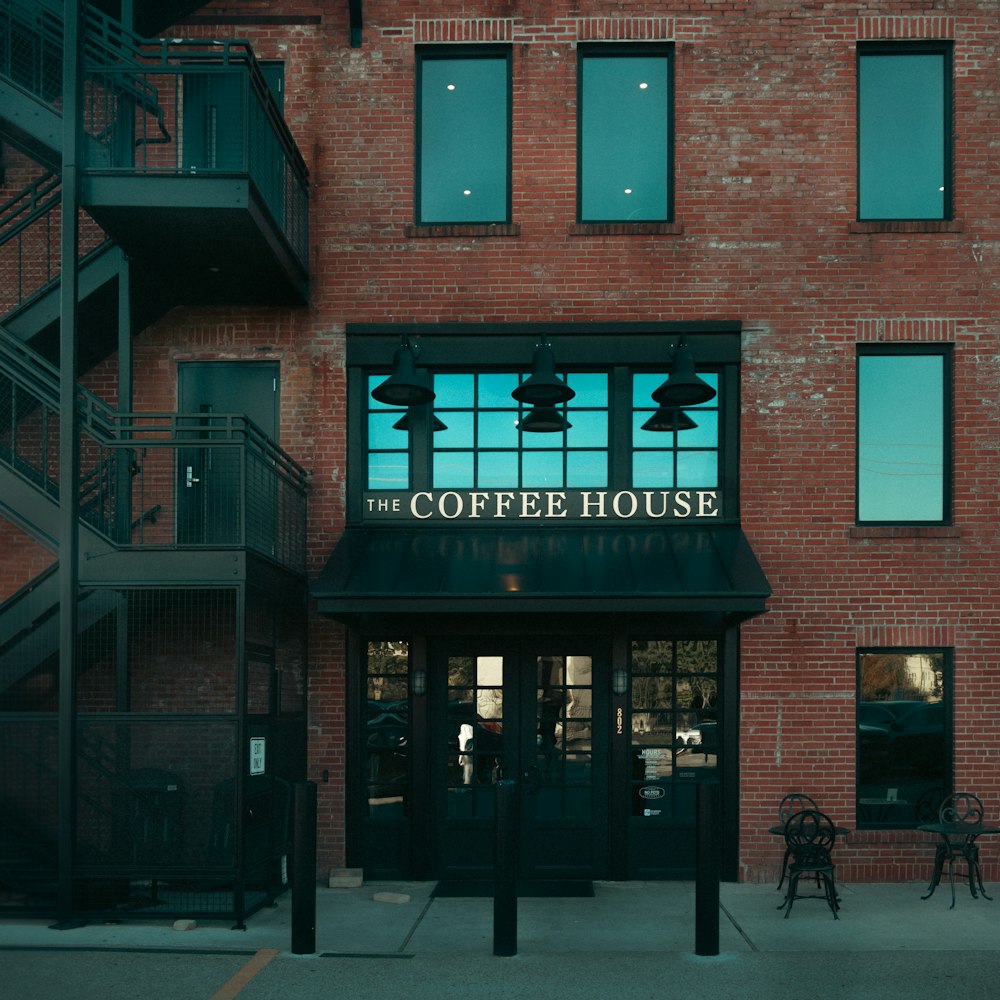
x: 901, y: 436
x: 561, y: 776
x: 624, y: 129
x: 903, y: 746
x: 477, y: 443
x: 686, y: 456
x: 482, y: 447
x: 674, y: 720
x: 474, y: 734
x: 463, y: 138
x: 388, y: 728
x: 903, y: 132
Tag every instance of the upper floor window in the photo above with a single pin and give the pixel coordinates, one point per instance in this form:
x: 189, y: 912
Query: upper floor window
x: 624, y: 133
x: 904, y: 131
x: 463, y: 136
x: 903, y: 434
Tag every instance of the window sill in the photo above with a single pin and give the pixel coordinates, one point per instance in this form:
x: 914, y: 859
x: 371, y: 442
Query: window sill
x: 889, y: 835
x: 462, y: 230
x: 626, y: 229
x: 905, y: 531
x: 908, y: 226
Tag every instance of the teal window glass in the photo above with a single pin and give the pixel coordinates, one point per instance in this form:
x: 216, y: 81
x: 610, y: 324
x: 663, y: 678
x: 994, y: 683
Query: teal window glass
x: 463, y: 138
x: 624, y: 135
x: 388, y: 447
x: 686, y: 456
x: 903, y: 123
x: 902, y: 436
x: 483, y: 447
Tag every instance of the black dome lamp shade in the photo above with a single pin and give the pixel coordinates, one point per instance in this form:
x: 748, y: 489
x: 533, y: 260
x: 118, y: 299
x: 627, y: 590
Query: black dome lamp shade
x: 543, y: 420
x: 403, y: 424
x: 543, y: 387
x: 683, y: 386
x: 406, y: 386
x: 669, y: 418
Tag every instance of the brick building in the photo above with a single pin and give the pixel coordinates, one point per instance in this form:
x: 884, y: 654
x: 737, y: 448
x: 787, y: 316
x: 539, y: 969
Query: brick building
x: 599, y: 396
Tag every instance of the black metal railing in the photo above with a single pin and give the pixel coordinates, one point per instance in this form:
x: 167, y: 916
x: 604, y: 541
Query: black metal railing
x: 163, y: 480
x: 213, y: 114
x: 30, y: 227
x: 165, y: 106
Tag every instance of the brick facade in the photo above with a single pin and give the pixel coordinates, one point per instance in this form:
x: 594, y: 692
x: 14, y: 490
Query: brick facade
x: 764, y: 233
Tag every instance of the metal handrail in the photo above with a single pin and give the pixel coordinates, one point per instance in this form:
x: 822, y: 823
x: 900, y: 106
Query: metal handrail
x: 132, y: 465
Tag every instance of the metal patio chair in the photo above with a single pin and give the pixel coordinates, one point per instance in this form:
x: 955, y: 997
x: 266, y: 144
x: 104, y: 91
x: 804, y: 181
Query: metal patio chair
x: 809, y: 837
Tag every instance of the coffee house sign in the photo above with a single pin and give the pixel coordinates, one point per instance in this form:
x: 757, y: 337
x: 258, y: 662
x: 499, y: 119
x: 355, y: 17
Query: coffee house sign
x: 542, y: 505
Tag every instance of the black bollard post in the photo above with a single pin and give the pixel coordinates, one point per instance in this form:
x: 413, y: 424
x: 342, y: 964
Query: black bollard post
x: 304, y: 869
x: 706, y: 933
x: 505, y: 874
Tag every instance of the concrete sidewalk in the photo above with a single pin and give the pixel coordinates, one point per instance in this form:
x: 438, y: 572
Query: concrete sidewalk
x: 620, y: 943
x: 620, y: 917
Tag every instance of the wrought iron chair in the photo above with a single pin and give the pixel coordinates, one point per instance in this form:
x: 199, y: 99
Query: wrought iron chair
x: 809, y: 837
x: 793, y: 802
x: 963, y: 812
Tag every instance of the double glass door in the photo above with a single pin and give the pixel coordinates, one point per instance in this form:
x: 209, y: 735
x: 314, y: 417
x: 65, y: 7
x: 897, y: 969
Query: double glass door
x: 533, y: 712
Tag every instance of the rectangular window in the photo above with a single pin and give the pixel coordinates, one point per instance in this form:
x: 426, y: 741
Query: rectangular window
x: 904, y: 131
x: 624, y: 134
x: 481, y: 444
x: 903, y: 434
x: 674, y: 447
x: 904, y: 736
x: 463, y: 136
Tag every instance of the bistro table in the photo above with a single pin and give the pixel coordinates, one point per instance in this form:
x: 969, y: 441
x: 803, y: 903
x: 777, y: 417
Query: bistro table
x: 958, y: 840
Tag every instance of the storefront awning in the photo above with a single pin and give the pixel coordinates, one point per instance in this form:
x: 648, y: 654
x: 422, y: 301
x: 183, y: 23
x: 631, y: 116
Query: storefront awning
x: 697, y: 569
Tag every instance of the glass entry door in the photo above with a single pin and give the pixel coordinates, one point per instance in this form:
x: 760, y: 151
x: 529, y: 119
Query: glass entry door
x: 534, y: 713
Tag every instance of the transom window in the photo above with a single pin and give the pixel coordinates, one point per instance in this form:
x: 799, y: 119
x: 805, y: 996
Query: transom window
x: 478, y: 443
x: 463, y: 136
x: 624, y: 133
x: 904, y: 127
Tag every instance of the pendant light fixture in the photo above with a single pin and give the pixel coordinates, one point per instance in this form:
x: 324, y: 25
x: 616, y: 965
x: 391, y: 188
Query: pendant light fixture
x: 683, y: 386
x: 543, y: 387
x: 543, y: 420
x: 407, y: 385
x: 403, y: 424
x: 669, y: 418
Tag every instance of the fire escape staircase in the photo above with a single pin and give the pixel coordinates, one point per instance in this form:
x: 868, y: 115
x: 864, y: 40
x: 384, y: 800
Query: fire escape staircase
x: 221, y: 219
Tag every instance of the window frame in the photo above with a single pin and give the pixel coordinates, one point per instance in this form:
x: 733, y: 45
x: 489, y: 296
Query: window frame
x: 623, y: 50
x: 944, y: 351
x: 446, y: 53
x: 940, y: 47
x: 947, y: 697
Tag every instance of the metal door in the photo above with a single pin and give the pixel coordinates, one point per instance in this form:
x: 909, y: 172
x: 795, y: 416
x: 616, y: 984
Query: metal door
x: 527, y: 712
x: 210, y: 488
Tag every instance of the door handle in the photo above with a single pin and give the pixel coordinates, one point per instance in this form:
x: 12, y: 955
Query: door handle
x: 190, y: 479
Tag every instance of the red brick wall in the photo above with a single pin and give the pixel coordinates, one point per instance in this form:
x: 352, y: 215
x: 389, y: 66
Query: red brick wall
x: 765, y: 233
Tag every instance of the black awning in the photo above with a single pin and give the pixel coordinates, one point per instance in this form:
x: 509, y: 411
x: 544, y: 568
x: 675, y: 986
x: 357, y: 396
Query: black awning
x: 698, y: 569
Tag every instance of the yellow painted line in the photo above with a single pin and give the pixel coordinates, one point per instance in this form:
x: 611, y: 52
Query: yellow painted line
x: 236, y: 984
